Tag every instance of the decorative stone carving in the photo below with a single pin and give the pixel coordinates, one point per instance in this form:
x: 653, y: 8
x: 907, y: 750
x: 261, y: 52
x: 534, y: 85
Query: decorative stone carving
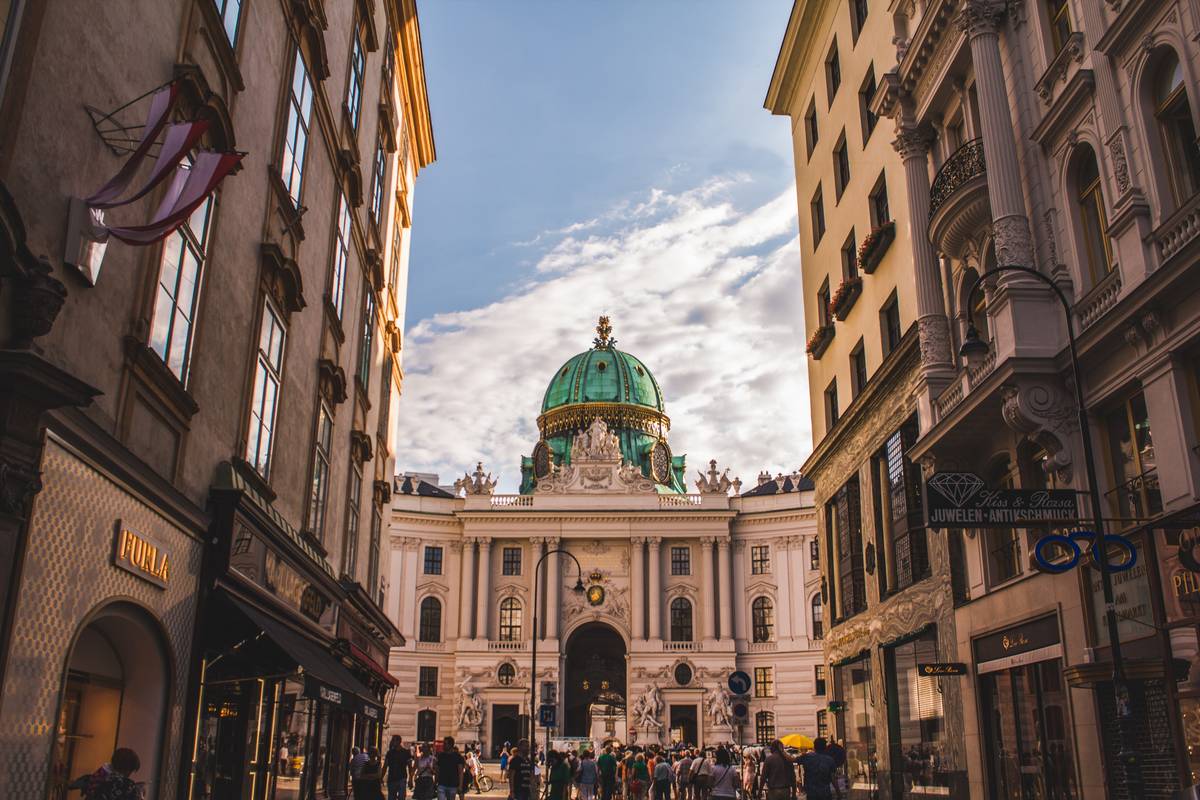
x: 596, y: 466
x: 37, y: 298
x: 1014, y: 245
x: 718, y: 706
x: 911, y: 142
x: 933, y: 333
x: 1047, y: 416
x: 477, y: 483
x: 715, y: 482
x: 1116, y: 148
x: 980, y: 17
x: 17, y: 488
x: 647, y: 708
x: 469, y: 708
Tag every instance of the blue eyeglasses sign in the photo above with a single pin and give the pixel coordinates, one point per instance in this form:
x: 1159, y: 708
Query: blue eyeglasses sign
x: 1069, y: 543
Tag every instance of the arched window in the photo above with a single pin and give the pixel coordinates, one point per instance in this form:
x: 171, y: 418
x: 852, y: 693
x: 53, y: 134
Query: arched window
x: 681, y: 620
x: 510, y: 619
x: 1173, y: 115
x: 431, y: 620
x: 764, y: 727
x: 1089, y: 209
x: 506, y: 674
x: 426, y: 725
x: 975, y: 305
x: 763, y: 614
x: 818, y: 617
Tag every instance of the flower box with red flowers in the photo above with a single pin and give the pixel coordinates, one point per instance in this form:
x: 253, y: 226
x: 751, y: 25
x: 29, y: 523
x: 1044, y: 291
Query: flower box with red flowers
x: 819, y: 340
x: 871, y: 251
x: 843, y: 299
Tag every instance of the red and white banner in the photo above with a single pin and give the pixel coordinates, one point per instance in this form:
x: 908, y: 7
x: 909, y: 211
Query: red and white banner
x: 160, y: 111
x: 188, y: 189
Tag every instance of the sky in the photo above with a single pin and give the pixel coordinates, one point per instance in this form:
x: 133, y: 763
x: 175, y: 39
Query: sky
x: 604, y: 158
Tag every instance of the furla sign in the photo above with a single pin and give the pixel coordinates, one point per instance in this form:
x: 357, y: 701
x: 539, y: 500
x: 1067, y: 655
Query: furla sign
x: 141, y: 554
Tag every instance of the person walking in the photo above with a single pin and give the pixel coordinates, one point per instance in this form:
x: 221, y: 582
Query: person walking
x: 520, y: 773
x: 587, y: 776
x: 369, y: 785
x: 683, y: 776
x: 818, y: 772
x: 114, y: 780
x: 662, y: 778
x: 701, y: 776
x: 396, y: 764
x: 838, y: 754
x: 559, y: 771
x: 424, y: 783
x: 450, y: 768
x: 504, y: 756
x: 724, y: 776
x: 641, y: 777
x: 607, y: 764
x: 779, y: 773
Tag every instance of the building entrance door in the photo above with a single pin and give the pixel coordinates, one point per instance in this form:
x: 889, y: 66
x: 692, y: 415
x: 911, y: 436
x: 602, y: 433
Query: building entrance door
x: 683, y: 725
x: 506, y: 727
x: 595, y: 668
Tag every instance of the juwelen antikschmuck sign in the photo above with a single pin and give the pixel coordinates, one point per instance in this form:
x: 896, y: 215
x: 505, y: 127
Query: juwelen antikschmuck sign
x: 962, y: 499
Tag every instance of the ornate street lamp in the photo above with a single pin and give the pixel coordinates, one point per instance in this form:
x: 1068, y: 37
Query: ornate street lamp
x: 533, y: 681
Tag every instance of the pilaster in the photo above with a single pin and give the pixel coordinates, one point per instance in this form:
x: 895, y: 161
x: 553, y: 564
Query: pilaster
x: 654, y: 544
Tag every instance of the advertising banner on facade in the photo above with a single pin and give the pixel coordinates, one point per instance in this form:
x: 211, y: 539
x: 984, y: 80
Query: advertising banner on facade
x: 963, y: 500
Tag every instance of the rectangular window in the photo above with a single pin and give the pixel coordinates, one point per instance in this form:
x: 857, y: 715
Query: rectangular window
x: 858, y: 369
x: 856, y: 727
x: 812, y: 133
x: 764, y: 727
x: 295, y: 132
x: 368, y: 339
x: 427, y: 682
x: 850, y: 257
x: 1060, y: 23
x: 833, y: 71
x: 865, y: 93
x: 823, y: 724
x: 268, y: 374
x: 846, y: 513
x: 880, y: 213
x: 817, y: 212
x: 389, y: 64
x: 178, y: 292
x: 858, y: 17
x: 341, y: 256
x: 374, y: 584
x: 358, y: 69
x: 433, y: 560
x: 319, y: 486
x: 681, y: 561
x: 397, y: 250
x: 841, y: 166
x: 511, y: 563
x: 889, y: 324
x: 230, y: 12
x: 377, y: 181
x: 1131, y: 454
x: 916, y: 713
x: 823, y: 296
x: 819, y: 679
x: 764, y: 681
x: 831, y: 405
x: 385, y: 398
x: 903, y: 517
x: 814, y: 554
x: 760, y: 559
x: 353, y: 510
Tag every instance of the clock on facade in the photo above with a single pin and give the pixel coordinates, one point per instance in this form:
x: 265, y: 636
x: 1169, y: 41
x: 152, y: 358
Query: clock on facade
x: 595, y: 595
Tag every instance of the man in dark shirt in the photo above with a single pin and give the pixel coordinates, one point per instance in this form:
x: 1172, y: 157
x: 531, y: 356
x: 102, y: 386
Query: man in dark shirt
x: 520, y: 773
x: 607, y: 763
x: 818, y: 772
x: 779, y: 773
x: 450, y: 767
x: 395, y: 768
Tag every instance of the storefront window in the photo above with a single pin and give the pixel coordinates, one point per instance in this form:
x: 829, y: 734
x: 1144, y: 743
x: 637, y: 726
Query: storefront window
x: 1028, y: 733
x: 856, y: 725
x: 227, y: 763
x: 916, y: 720
x: 1131, y: 453
x: 296, y: 726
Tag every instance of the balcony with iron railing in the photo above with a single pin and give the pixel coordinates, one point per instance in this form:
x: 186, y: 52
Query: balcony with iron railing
x: 958, y: 200
x: 1136, y: 500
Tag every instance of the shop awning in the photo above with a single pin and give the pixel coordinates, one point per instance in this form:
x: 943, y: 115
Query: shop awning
x: 376, y: 669
x: 324, y: 676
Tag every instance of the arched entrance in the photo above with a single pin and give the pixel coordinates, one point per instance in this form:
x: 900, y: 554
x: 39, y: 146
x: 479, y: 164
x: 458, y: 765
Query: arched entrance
x: 595, y: 656
x: 114, y: 695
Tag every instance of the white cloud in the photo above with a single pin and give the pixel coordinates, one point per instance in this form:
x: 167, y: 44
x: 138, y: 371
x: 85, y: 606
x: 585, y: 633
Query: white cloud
x: 706, y: 294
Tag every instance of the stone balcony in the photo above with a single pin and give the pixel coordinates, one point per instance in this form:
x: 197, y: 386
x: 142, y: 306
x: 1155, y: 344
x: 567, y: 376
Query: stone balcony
x: 958, y: 200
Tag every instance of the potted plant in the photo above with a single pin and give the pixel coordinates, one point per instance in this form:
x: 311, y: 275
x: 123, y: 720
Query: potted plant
x: 843, y: 299
x: 871, y: 251
x: 819, y: 340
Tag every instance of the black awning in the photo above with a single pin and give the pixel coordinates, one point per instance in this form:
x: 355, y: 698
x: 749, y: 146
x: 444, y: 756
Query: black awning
x: 324, y: 676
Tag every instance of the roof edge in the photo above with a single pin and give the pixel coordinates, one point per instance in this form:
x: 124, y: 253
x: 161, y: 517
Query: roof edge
x: 793, y: 51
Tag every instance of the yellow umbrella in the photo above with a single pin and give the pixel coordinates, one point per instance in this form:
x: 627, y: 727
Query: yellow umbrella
x: 798, y: 741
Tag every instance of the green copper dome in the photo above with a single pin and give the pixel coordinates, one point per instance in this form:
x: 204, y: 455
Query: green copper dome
x: 612, y: 385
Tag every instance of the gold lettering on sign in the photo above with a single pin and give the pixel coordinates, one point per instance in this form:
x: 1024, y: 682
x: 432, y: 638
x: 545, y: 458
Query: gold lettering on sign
x: 1016, y: 640
x: 136, y: 553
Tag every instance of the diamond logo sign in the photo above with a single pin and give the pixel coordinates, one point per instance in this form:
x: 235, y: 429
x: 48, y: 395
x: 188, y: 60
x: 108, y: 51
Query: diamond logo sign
x: 957, y: 487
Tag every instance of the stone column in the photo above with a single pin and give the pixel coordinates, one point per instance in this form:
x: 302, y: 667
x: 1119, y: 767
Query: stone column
x: 637, y: 586
x: 726, y: 607
x: 483, y: 598
x: 707, y: 589
x: 466, y: 602
x: 655, y: 598
x: 783, y: 590
x: 981, y: 20
x: 912, y: 143
x: 739, y: 592
x: 553, y: 588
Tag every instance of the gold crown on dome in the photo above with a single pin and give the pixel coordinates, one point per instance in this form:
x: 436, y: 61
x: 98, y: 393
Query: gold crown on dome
x: 603, y: 338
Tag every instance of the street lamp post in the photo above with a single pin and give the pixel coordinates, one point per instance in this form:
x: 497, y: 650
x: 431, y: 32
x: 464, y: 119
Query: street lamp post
x: 533, y: 681
x: 972, y: 349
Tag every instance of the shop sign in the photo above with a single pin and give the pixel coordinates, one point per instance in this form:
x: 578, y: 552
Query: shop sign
x: 141, y: 554
x: 963, y: 500
x: 1024, y: 643
x: 1134, y: 603
x: 252, y: 558
x: 363, y: 641
x: 942, y: 669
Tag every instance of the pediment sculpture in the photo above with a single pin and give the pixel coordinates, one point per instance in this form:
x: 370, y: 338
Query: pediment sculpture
x: 596, y: 466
